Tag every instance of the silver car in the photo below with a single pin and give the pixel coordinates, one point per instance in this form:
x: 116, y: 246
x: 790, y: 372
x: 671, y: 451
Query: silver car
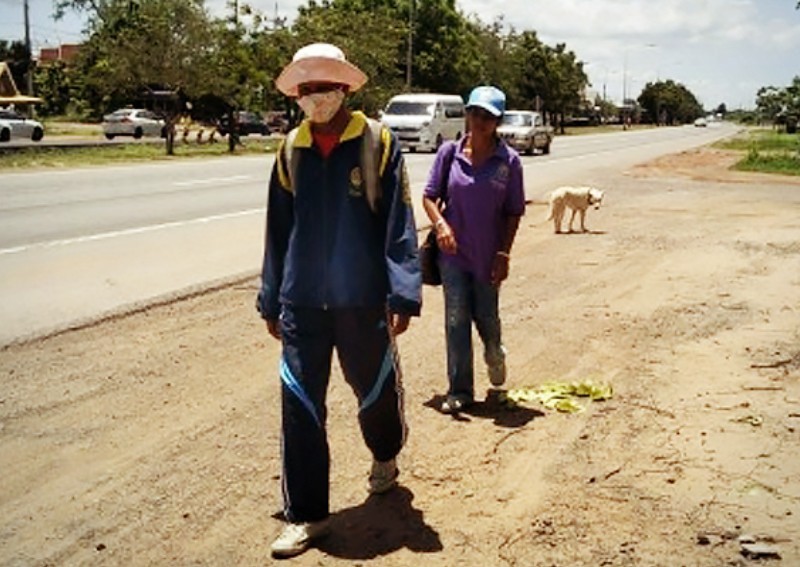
x: 526, y: 131
x: 136, y: 122
x: 14, y: 125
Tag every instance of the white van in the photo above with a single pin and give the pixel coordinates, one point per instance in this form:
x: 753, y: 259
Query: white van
x: 422, y: 121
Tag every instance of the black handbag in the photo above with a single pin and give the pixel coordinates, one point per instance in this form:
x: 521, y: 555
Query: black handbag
x: 429, y: 249
x: 429, y: 260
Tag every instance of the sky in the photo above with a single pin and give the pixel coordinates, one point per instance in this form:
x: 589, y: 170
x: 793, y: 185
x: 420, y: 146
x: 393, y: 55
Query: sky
x: 723, y: 51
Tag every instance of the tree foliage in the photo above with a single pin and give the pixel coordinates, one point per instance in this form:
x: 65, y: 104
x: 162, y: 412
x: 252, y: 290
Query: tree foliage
x: 376, y: 56
x: 780, y: 105
x: 230, y: 63
x: 669, y: 103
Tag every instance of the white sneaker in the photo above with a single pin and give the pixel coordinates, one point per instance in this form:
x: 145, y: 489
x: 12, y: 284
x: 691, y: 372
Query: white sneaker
x: 296, y: 538
x: 383, y: 476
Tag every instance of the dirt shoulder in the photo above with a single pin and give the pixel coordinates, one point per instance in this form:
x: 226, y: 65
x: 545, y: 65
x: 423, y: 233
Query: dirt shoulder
x: 153, y: 438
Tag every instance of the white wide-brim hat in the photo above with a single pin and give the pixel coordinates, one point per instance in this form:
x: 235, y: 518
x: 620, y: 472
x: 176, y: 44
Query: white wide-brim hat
x: 319, y: 62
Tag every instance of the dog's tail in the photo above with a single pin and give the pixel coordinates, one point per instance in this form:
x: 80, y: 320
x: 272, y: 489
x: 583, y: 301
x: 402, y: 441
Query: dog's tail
x: 550, y: 207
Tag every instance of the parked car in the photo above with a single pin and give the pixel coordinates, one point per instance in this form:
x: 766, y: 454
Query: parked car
x: 525, y: 131
x: 136, y: 122
x: 701, y: 122
x: 248, y: 122
x: 277, y: 122
x: 14, y: 125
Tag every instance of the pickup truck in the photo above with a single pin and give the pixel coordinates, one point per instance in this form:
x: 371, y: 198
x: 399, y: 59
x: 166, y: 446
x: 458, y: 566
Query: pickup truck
x: 525, y: 131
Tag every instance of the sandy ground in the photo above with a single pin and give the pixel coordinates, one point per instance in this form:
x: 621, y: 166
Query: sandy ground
x: 152, y: 438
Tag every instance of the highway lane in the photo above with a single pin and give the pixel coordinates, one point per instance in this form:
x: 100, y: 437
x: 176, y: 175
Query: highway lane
x: 50, y: 205
x: 77, y: 243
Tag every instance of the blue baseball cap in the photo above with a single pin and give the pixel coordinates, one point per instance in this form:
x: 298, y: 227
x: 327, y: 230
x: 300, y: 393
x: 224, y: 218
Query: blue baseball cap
x: 491, y: 99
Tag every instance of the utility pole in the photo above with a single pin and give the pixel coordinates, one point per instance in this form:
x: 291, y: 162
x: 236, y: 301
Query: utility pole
x: 410, y: 53
x: 625, y: 77
x: 29, y: 67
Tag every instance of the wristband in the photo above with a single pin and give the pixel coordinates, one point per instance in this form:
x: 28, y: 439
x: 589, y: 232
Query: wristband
x: 439, y: 223
x: 504, y: 254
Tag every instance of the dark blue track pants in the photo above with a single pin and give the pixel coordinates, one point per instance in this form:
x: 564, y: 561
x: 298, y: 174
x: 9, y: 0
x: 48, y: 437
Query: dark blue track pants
x: 369, y: 362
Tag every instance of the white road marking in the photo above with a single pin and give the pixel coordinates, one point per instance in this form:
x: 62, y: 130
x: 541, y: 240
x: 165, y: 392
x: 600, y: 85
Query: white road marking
x: 212, y: 180
x: 128, y: 231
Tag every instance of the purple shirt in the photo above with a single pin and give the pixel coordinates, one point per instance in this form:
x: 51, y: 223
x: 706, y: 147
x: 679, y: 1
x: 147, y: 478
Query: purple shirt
x: 478, y: 202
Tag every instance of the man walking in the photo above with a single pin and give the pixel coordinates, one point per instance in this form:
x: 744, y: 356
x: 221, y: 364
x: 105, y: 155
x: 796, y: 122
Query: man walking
x: 340, y: 271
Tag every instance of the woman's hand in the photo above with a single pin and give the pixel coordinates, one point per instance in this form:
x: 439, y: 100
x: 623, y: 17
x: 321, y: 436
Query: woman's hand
x: 500, y: 268
x: 398, y: 323
x: 445, y: 237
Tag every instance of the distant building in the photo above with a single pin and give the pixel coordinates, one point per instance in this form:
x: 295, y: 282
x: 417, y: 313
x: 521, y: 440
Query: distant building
x: 66, y: 52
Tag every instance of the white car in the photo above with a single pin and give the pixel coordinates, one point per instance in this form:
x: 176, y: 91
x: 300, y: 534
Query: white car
x: 136, y: 122
x: 14, y: 125
x: 422, y: 121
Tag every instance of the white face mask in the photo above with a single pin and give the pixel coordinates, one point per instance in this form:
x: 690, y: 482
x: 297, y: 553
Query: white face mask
x: 320, y: 108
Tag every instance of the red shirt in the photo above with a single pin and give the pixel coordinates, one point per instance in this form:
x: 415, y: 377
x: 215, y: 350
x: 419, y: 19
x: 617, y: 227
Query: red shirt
x: 325, y: 142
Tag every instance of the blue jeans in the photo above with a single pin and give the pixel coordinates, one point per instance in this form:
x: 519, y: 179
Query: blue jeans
x: 467, y: 299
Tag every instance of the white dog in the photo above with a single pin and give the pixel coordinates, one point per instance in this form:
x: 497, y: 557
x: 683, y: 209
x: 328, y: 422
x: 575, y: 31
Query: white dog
x: 576, y: 198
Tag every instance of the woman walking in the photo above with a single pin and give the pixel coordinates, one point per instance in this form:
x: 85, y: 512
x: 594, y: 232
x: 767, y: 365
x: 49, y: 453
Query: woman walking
x: 474, y: 198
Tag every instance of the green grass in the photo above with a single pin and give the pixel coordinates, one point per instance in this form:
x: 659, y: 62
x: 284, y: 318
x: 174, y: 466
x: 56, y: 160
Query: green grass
x: 766, y: 151
x: 601, y: 129
x: 58, y: 157
x: 66, y: 128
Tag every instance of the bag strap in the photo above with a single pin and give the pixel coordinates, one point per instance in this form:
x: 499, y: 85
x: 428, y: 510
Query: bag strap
x: 449, y: 156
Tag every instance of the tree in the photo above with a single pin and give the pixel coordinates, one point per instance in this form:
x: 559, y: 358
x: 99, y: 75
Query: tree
x: 375, y: 49
x: 237, y: 80
x: 545, y: 78
x: 568, y: 81
x: 527, y: 57
x: 481, y: 59
x: 669, y: 103
x: 770, y: 102
x: 53, y: 85
x: 229, y: 64
x: 780, y: 105
x: 140, y: 46
x: 158, y: 45
x: 444, y: 60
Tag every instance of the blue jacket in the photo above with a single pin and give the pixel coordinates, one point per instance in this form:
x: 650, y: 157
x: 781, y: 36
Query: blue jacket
x: 325, y: 247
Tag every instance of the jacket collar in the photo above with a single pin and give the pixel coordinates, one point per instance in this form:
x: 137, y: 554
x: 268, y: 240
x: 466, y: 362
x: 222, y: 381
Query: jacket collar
x: 354, y: 129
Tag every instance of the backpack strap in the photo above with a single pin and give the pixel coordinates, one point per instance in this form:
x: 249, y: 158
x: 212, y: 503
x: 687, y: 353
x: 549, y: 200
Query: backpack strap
x: 373, y: 161
x: 289, y: 161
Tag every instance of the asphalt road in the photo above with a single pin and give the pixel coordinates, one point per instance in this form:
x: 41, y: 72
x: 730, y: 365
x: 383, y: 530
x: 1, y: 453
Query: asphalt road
x: 76, y: 244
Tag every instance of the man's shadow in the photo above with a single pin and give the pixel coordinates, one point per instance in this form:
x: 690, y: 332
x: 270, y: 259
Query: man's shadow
x: 493, y: 407
x: 381, y: 525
